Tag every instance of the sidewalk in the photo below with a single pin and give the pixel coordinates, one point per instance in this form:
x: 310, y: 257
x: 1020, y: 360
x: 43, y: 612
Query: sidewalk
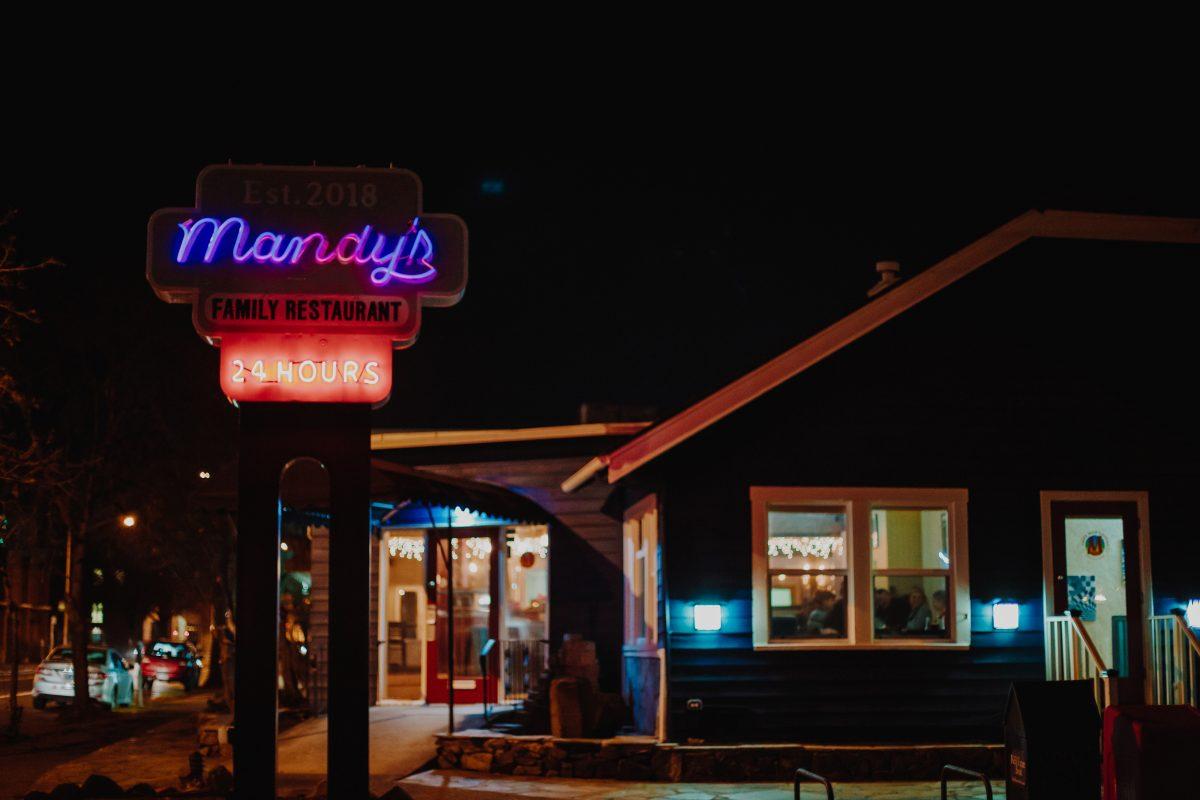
x: 401, y: 742
x: 449, y: 785
x: 157, y: 757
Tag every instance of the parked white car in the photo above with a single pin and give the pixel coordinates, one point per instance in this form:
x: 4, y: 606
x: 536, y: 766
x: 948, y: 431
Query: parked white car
x: 110, y: 678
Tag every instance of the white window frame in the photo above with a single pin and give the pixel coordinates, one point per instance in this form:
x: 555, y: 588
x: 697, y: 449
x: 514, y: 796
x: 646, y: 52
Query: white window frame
x: 857, y: 504
x: 639, y: 534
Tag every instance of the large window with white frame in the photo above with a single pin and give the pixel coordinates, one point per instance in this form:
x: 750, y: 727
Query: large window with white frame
x: 860, y: 568
x: 640, y: 533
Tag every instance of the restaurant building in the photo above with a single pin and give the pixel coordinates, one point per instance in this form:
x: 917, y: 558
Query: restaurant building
x: 869, y: 537
x: 530, y: 562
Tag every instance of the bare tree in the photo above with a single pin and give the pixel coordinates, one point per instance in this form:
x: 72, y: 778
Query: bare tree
x: 31, y: 466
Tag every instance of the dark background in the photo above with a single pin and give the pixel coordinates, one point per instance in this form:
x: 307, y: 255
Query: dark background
x: 645, y: 277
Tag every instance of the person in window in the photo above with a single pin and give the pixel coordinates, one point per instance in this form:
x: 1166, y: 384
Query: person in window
x: 919, y: 613
x: 883, y: 600
x: 937, y: 610
x: 891, y: 610
x: 823, y: 620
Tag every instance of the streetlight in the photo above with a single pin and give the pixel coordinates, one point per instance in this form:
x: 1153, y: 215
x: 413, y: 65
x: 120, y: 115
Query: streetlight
x: 129, y: 520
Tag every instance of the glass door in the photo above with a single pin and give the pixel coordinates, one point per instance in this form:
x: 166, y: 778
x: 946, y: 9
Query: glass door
x: 465, y: 617
x: 1096, y: 571
x: 525, y: 561
x: 403, y: 614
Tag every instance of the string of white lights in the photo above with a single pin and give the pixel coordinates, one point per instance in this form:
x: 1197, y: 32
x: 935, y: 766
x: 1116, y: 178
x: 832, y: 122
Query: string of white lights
x: 806, y: 546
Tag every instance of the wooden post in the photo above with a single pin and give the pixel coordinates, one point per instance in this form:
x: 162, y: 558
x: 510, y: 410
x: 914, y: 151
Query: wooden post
x: 350, y: 636
x: 450, y: 631
x: 272, y: 435
x: 260, y: 460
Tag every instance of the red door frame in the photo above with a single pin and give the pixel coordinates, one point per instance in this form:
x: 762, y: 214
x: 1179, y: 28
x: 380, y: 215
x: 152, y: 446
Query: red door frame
x: 437, y: 685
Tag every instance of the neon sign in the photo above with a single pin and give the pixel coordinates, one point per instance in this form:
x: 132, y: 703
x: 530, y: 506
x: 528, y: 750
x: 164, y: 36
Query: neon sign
x: 407, y: 258
x: 308, y: 368
x: 307, y: 277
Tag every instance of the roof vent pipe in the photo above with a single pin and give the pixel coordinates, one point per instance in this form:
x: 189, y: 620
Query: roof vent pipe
x: 889, y: 276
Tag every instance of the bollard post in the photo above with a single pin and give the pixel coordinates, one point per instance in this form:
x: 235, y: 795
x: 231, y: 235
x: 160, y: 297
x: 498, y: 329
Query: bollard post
x: 812, y: 776
x: 484, y: 653
x: 970, y: 773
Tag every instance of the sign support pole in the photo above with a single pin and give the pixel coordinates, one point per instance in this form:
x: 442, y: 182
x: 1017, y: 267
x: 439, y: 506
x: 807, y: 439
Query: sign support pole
x: 272, y: 435
x: 307, y: 278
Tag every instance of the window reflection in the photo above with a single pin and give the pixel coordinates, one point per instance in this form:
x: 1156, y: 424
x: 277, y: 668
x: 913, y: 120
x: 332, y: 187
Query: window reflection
x: 806, y: 556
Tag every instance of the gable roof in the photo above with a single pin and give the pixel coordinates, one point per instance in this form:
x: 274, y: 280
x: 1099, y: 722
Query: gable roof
x: 657, y: 440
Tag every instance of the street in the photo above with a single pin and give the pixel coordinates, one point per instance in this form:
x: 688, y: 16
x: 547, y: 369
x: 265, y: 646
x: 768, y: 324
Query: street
x: 24, y: 679
x: 48, y: 741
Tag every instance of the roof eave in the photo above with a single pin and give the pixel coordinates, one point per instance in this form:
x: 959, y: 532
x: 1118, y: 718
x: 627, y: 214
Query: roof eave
x: 1031, y: 224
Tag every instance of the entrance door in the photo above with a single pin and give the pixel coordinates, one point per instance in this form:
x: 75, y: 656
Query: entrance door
x: 1096, y: 568
x: 471, y: 555
x: 405, y: 617
x: 402, y: 615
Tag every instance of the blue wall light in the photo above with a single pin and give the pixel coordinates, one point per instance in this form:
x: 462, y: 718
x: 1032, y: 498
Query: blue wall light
x: 707, y: 617
x: 1192, y: 614
x: 1006, y: 616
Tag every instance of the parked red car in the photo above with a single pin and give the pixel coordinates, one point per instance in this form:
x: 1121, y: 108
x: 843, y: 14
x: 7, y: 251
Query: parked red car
x: 171, y: 661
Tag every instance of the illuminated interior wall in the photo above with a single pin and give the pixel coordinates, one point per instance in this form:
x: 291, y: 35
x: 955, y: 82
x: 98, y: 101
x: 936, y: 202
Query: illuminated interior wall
x: 1109, y: 595
x: 908, y: 539
x: 903, y: 538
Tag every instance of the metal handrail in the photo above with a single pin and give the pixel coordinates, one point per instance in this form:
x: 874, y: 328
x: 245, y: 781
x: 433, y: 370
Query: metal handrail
x: 524, y: 663
x: 812, y: 776
x: 970, y: 773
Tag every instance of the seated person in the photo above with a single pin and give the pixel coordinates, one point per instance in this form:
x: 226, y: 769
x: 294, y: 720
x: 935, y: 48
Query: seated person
x: 824, y: 619
x: 919, y: 613
x: 891, y: 611
x: 883, y: 599
x: 937, y: 610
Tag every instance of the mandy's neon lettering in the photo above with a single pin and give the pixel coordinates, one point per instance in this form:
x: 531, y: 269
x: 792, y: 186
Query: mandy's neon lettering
x: 408, y: 259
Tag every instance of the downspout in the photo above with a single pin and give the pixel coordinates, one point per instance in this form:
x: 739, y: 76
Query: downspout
x: 664, y: 689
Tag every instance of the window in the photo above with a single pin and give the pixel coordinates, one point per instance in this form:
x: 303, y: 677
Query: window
x: 861, y: 568
x: 641, y: 575
x: 806, y: 554
x: 910, y: 568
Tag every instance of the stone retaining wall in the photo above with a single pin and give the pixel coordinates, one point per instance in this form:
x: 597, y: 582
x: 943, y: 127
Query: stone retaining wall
x: 641, y: 758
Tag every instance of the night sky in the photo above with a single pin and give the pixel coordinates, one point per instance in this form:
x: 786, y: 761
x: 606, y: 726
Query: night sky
x: 645, y: 279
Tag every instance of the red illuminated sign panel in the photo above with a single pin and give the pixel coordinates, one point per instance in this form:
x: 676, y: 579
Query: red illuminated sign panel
x: 307, y: 277
x: 306, y: 367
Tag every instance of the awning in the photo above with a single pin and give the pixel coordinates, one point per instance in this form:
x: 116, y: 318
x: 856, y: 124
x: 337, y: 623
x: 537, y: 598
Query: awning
x: 391, y: 485
x: 396, y: 484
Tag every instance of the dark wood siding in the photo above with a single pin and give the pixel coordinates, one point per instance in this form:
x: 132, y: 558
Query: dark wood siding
x: 1062, y: 366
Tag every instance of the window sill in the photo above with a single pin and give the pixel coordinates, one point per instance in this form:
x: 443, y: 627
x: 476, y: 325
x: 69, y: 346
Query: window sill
x: 844, y: 645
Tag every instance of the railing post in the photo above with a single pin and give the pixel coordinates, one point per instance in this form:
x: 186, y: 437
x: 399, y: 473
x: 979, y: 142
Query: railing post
x: 1112, y: 682
x: 485, y: 653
